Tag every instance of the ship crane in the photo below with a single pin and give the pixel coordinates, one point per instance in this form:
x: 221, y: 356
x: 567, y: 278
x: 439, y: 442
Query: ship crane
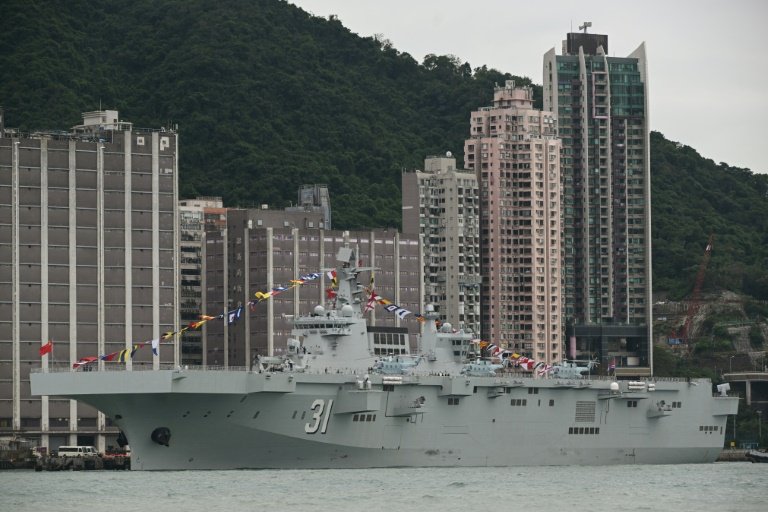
x: 695, y: 302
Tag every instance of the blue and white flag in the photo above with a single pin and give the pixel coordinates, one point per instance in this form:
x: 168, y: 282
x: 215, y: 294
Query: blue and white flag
x: 234, y: 315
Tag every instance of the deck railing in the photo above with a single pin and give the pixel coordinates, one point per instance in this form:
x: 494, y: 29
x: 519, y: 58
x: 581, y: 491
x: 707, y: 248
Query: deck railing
x: 355, y: 372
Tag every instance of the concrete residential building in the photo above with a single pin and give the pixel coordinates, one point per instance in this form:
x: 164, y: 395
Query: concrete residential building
x: 276, y: 255
x: 515, y: 153
x: 602, y: 106
x: 206, y: 216
x: 227, y: 254
x: 196, y: 216
x: 440, y: 204
x: 88, y: 244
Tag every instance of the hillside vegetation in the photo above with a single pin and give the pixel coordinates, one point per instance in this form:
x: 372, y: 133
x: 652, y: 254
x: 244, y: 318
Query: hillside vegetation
x: 268, y: 97
x: 692, y: 198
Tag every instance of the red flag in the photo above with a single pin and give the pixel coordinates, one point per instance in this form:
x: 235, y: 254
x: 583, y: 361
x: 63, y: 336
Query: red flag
x: 371, y: 302
x: 109, y: 357
x: 84, y: 361
x: 46, y: 349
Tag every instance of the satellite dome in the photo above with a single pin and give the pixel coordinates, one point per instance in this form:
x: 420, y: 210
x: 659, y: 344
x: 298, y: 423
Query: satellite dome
x: 347, y: 310
x: 319, y: 310
x: 448, y: 154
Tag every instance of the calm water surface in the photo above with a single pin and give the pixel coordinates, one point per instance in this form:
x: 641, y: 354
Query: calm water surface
x: 730, y: 486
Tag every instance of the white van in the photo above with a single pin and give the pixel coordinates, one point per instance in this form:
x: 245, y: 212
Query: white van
x: 77, y: 451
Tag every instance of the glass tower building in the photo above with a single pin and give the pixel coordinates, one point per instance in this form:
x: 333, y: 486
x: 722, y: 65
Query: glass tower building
x: 602, y: 106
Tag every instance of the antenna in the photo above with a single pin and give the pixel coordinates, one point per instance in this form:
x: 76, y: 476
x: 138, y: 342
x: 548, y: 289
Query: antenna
x: 585, y: 26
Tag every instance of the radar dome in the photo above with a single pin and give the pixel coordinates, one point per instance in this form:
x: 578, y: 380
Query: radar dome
x: 319, y: 310
x: 347, y: 310
x: 448, y: 154
x: 446, y: 327
x: 615, y: 387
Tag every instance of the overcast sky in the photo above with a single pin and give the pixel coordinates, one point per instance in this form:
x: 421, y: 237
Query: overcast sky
x: 708, y: 70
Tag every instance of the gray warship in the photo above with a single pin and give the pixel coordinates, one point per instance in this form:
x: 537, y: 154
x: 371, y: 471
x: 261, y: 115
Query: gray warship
x: 335, y: 401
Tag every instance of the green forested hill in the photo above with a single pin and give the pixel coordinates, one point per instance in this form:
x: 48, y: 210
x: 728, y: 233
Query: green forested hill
x: 267, y: 98
x: 692, y: 198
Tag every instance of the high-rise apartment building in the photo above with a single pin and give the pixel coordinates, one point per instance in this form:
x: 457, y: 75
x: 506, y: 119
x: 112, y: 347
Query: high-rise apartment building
x: 88, y: 261
x: 515, y: 153
x: 441, y: 205
x: 196, y: 216
x: 602, y: 106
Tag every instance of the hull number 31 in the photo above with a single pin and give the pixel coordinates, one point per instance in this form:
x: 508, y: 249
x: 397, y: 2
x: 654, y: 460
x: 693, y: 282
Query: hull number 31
x: 320, y: 417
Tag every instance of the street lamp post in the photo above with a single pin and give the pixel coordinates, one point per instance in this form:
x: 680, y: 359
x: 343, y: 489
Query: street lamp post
x: 730, y: 364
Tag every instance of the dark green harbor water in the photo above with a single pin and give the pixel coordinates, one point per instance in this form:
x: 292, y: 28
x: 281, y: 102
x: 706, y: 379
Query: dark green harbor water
x: 730, y: 486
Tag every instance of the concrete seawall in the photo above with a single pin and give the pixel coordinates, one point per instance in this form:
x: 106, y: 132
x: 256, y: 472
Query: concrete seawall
x: 732, y: 455
x: 82, y: 463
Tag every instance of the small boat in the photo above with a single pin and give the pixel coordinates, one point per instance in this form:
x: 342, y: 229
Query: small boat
x: 757, y: 456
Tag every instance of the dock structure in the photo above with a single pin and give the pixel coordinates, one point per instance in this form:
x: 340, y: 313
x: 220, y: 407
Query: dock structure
x: 732, y: 455
x: 56, y: 463
x: 754, y: 386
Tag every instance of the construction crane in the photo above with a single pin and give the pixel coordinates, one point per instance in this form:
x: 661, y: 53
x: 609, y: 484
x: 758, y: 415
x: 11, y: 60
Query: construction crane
x: 681, y: 337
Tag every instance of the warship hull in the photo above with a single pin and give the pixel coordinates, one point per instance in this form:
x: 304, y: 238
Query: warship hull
x: 216, y: 419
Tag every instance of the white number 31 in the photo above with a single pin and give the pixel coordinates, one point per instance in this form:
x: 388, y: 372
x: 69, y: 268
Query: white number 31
x: 318, y: 418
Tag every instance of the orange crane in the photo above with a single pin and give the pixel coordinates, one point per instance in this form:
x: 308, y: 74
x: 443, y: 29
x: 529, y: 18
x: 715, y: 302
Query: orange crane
x: 693, y: 306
